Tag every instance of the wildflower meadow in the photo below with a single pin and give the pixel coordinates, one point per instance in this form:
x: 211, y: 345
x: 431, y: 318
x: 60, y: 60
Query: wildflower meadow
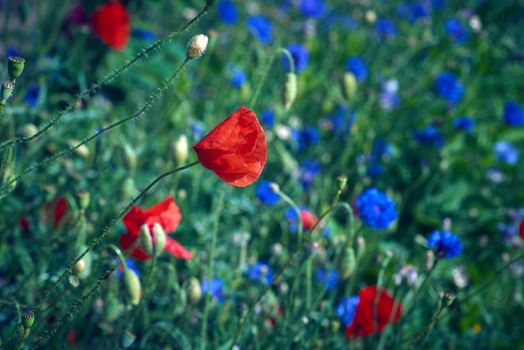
x: 248, y: 174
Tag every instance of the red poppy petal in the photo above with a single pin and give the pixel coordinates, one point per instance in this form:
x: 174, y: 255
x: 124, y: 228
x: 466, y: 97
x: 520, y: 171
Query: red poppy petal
x: 176, y: 249
x: 127, y: 240
x: 134, y: 219
x: 111, y: 23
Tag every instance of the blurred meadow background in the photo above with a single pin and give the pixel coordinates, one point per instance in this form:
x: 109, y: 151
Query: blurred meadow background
x: 388, y: 214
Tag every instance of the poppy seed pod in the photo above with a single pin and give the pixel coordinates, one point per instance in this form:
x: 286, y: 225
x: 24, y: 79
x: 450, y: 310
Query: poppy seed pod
x: 28, y: 318
x: 133, y: 286
x: 146, y: 242
x: 159, y: 241
x: 349, y: 85
x: 289, y: 93
x: 197, y: 46
x: 15, y: 66
x: 7, y: 90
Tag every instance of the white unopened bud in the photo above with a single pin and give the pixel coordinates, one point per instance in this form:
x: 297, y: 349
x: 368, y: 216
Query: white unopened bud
x: 197, y: 46
x: 180, y: 150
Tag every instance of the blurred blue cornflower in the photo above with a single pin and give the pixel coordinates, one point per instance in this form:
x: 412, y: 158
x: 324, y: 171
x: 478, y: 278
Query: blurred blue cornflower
x: 446, y: 244
x: 389, y: 98
x: 308, y: 170
x: 260, y: 272
x: 376, y: 209
x: 131, y: 264
x: 227, y: 12
x: 385, y: 28
x: 464, y: 123
x: 197, y: 129
x: 32, y: 95
x: 300, y: 58
x: 268, y: 118
x: 312, y: 8
x: 429, y: 136
x: 347, y: 309
x: 506, y: 152
x: 438, y: 4
x: 214, y: 288
x: 12, y: 51
x: 449, y: 87
x: 456, y: 30
x: 419, y: 10
x: 513, y: 114
x: 510, y: 231
x: 379, y: 150
x: 339, y: 123
x: 265, y: 194
x: 238, y: 79
x: 305, y: 137
x: 357, y: 66
x: 328, y: 277
x: 261, y: 28
x: 144, y: 34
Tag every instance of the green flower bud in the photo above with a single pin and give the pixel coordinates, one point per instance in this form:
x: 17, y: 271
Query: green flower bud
x: 342, y: 181
x: 194, y: 290
x: 127, y: 339
x: 79, y: 267
x: 7, y: 90
x: 180, y: 150
x: 159, y: 241
x: 289, y: 93
x: 348, y: 263
x: 15, y: 66
x: 28, y: 318
x: 349, y: 85
x: 197, y: 46
x: 133, y: 286
x: 83, y: 199
x: 146, y: 242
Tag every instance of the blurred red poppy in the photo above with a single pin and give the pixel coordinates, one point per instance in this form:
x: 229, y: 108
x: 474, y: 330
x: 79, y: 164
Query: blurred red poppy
x: 521, y: 229
x: 308, y: 219
x: 56, y: 210
x: 235, y: 149
x: 167, y: 215
x: 111, y: 24
x: 373, y: 312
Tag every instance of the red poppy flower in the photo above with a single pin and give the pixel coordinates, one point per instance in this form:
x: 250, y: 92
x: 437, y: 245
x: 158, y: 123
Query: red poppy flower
x: 235, y: 149
x: 166, y: 214
x: 56, y: 211
x: 111, y: 24
x: 373, y: 312
x: 308, y: 219
x: 521, y: 229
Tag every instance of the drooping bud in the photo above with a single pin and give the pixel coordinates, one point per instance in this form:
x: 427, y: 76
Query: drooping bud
x: 348, y: 263
x: 79, y: 267
x: 197, y: 46
x: 194, y: 290
x: 180, y: 150
x: 15, y: 66
x: 133, y: 286
x: 146, y: 242
x: 159, y: 239
x: 127, y: 339
x: 7, y: 90
x: 274, y: 187
x: 83, y: 199
x: 82, y: 151
x: 342, y: 181
x: 289, y: 93
x: 349, y: 85
x: 28, y: 318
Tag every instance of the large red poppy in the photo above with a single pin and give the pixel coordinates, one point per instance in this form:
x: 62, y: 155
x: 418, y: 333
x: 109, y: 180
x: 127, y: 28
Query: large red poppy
x: 165, y: 213
x: 111, y: 24
x: 373, y: 312
x: 521, y: 229
x: 235, y: 149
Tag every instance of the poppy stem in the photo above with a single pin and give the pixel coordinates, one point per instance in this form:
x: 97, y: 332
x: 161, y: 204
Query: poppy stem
x: 144, y: 53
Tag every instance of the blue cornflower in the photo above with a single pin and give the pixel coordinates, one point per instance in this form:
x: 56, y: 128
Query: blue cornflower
x: 456, y: 30
x: 357, y: 66
x: 430, y: 136
x: 464, y: 123
x: 306, y: 137
x: 312, y: 8
x: 13, y: 51
x: 308, y: 170
x: 131, y: 264
x: 265, y: 194
x: 386, y: 29
x: 341, y: 122
x: 449, y: 87
x: 214, y: 288
x: 347, y: 309
x: 513, y: 115
x: 379, y: 150
x: 268, y: 118
x: 300, y: 58
x: 506, y: 152
x: 419, y: 11
x: 197, y: 129
x: 447, y: 244
x: 144, y: 34
x: 438, y: 4
x: 261, y: 28
x: 329, y: 278
x: 227, y: 12
x: 32, y: 95
x: 260, y: 272
x: 238, y: 79
x: 389, y: 98
x: 376, y: 209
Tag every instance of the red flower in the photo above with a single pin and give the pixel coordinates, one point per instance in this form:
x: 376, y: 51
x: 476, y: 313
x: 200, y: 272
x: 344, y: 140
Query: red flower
x: 111, y: 23
x: 521, y: 229
x: 24, y: 224
x: 373, y: 312
x: 308, y: 219
x: 55, y: 210
x: 235, y: 149
x: 166, y: 214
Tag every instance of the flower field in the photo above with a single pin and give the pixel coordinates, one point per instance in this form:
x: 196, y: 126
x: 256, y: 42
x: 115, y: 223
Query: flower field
x: 244, y: 174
